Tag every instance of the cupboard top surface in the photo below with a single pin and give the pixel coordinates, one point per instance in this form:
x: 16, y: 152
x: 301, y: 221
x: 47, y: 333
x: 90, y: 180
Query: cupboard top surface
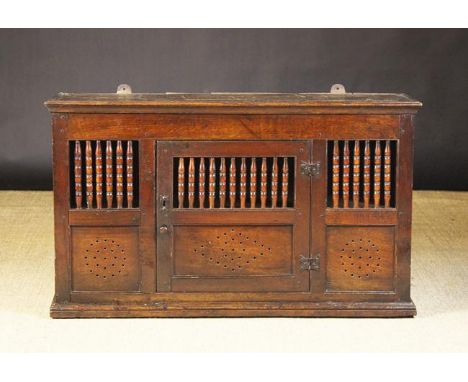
x: 68, y: 101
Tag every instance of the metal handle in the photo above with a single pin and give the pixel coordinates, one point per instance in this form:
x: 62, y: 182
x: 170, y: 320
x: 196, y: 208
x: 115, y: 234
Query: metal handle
x: 163, y: 229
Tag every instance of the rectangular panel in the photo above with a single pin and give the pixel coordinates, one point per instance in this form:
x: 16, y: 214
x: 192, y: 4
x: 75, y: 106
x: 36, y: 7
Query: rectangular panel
x: 340, y: 216
x: 232, y: 251
x: 124, y: 217
x: 105, y: 259
x: 360, y: 259
x: 168, y: 126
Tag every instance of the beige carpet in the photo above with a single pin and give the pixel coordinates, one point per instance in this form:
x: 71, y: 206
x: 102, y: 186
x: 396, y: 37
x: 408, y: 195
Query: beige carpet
x: 439, y: 279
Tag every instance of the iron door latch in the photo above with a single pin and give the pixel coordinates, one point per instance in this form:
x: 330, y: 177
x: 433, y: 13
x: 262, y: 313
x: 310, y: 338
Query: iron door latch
x: 311, y: 263
x: 310, y: 168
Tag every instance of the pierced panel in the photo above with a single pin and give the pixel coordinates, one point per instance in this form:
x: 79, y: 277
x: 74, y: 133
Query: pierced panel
x: 234, y: 182
x: 105, y: 259
x: 233, y: 250
x: 104, y: 174
x: 360, y: 258
x: 361, y: 174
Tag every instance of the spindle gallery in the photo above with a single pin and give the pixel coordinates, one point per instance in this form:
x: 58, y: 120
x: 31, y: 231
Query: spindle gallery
x: 232, y: 204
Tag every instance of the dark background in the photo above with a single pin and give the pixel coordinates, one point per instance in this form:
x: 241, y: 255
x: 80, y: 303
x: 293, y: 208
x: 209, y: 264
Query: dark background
x: 429, y: 65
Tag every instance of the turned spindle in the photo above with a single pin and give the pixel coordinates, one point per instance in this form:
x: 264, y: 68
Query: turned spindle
x: 387, y: 174
x: 78, y: 186
x: 346, y: 174
x: 109, y: 175
x: 336, y: 174
x: 377, y: 172
x: 98, y: 156
x: 191, y: 182
x: 212, y: 183
x: 129, y: 174
x: 263, y: 183
x: 201, y: 183
x: 119, y: 174
x: 222, y: 183
x: 180, y: 182
x: 253, y: 183
x: 366, y: 174
x: 243, y: 183
x: 274, y: 183
x: 89, y: 174
x: 232, y: 183
x: 356, y: 172
x: 284, y: 183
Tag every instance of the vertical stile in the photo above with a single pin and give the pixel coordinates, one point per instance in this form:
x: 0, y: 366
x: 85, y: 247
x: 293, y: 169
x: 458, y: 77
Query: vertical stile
x: 387, y: 174
x: 243, y: 183
x: 263, y: 184
x: 191, y: 182
x: 201, y: 183
x: 377, y: 172
x: 346, y: 174
x: 129, y: 174
x: 232, y: 183
x: 356, y: 172
x: 89, y: 174
x: 222, y: 183
x: 274, y: 183
x: 98, y: 156
x: 336, y: 174
x: 253, y: 183
x: 109, y: 175
x: 180, y: 184
x: 212, y: 183
x: 78, y: 186
x: 366, y: 174
x: 284, y: 183
x: 119, y: 174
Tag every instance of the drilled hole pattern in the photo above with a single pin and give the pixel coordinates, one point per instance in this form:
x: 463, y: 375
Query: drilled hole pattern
x: 105, y: 259
x: 360, y: 258
x: 232, y: 250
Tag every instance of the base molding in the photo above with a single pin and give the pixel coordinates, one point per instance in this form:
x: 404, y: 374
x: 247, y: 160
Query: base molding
x: 234, y: 309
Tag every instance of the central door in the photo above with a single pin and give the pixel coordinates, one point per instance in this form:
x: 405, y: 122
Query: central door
x: 233, y: 216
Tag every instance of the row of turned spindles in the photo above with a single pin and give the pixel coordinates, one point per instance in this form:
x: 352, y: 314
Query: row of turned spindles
x: 99, y: 175
x: 368, y: 197
x: 227, y: 185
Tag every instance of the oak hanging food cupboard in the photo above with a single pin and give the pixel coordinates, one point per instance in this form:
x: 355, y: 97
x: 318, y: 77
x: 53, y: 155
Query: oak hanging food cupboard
x: 232, y: 204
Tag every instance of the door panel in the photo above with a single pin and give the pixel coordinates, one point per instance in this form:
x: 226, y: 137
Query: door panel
x: 230, y: 250
x: 233, y: 216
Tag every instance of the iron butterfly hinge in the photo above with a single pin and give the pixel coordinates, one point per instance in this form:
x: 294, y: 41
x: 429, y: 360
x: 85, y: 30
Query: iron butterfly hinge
x: 311, y: 263
x: 310, y: 168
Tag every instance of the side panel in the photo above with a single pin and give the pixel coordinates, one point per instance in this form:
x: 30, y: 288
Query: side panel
x: 61, y: 168
x: 367, y: 194
x: 360, y: 259
x: 105, y: 259
x: 404, y: 199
